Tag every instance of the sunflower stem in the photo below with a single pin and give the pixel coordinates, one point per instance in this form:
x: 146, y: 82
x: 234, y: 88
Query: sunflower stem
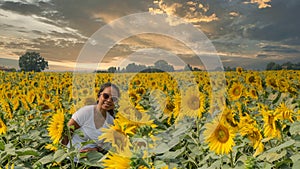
x: 231, y: 159
x: 70, y: 141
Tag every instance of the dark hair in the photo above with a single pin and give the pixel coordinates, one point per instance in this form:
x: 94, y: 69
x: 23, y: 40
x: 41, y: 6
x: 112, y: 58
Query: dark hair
x: 108, y: 84
x: 104, y: 86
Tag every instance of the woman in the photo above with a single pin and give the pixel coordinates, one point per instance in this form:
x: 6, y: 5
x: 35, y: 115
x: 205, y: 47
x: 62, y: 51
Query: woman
x: 90, y: 119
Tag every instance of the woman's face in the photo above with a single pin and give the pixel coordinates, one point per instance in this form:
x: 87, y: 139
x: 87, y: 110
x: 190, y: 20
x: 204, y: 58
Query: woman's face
x: 107, y: 98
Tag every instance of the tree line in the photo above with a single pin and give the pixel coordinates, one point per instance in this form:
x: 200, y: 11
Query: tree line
x: 285, y: 66
x: 159, y: 66
x: 33, y: 61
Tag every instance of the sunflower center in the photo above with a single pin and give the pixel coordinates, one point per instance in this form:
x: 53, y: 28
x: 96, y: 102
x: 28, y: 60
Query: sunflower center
x: 194, y: 102
x: 222, y: 134
x: 170, y: 106
x: 236, y: 91
x: 254, y: 135
x: 251, y: 79
x: 273, y: 82
x: 253, y: 92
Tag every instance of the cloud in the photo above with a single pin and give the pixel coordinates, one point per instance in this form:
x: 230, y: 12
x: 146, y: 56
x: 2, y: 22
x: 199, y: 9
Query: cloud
x: 279, y: 49
x: 261, y: 3
x: 189, y: 11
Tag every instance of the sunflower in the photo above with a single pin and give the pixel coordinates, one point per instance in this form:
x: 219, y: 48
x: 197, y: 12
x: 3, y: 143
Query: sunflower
x: 3, y: 127
x: 30, y: 96
x: 252, y: 93
x: 133, y: 115
x: 25, y: 104
x: 271, y: 121
x: 117, y: 161
x: 250, y: 130
x: 239, y: 70
x: 193, y: 103
x: 283, y: 84
x: 236, y: 91
x: 16, y: 103
x: 259, y: 149
x: 230, y: 118
x: 284, y: 112
x: 56, y: 126
x: 219, y: 137
x: 271, y: 82
x: 118, y: 135
x: 51, y: 147
x: 177, y: 103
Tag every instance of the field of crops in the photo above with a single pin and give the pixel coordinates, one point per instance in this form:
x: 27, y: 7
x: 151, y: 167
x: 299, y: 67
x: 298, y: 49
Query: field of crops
x: 238, y: 119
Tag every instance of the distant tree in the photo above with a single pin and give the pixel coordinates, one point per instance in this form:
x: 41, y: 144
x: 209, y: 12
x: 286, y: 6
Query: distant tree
x: 32, y: 61
x: 287, y: 65
x: 187, y: 67
x: 273, y: 66
x: 196, y: 69
x: 112, y: 69
x: 132, y: 67
x: 164, y: 66
x: 270, y: 65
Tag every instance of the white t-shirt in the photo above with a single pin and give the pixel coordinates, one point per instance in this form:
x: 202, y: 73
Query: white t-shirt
x: 85, y: 119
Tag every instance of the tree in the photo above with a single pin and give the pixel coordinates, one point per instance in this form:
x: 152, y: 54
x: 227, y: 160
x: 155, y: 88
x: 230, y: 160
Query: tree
x: 32, y: 61
x: 188, y: 67
x: 163, y: 65
x: 112, y: 69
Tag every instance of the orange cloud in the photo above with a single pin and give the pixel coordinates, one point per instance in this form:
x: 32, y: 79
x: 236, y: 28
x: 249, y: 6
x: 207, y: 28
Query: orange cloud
x: 261, y: 3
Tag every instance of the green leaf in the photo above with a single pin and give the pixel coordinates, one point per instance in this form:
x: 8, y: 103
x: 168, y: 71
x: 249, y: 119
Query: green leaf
x: 44, y: 160
x: 295, y: 128
x: 60, y: 155
x: 2, y: 145
x: 173, y: 142
x: 10, y: 149
x: 282, y: 146
x: 161, y: 148
x: 172, y: 154
x: 180, y: 129
x: 159, y: 164
x: 94, y: 156
x: 296, y: 165
x: 272, y: 156
x: 295, y: 158
x: 27, y: 151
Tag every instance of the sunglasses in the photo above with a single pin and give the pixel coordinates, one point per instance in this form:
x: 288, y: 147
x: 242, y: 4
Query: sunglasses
x: 107, y: 96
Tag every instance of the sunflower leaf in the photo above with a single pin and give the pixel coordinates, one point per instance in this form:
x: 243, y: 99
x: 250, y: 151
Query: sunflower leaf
x: 295, y: 158
x: 281, y: 146
x: 295, y: 128
x: 59, y: 155
x: 161, y: 148
x: 296, y: 165
x: 44, y: 160
x: 27, y: 151
x: 10, y: 149
x: 272, y: 156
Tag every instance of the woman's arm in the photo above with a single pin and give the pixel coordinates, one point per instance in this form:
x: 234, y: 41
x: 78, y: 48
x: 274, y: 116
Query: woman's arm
x: 71, y: 122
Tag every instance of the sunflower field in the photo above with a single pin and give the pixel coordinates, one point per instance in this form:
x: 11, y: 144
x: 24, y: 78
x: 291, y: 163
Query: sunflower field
x: 237, y: 119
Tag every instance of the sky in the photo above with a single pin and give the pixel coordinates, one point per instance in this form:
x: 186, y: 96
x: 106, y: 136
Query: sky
x: 246, y: 33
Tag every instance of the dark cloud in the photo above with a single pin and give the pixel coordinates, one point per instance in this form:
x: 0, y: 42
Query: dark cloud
x: 21, y: 8
x: 89, y: 16
x: 264, y: 56
x: 277, y: 23
x: 280, y: 49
